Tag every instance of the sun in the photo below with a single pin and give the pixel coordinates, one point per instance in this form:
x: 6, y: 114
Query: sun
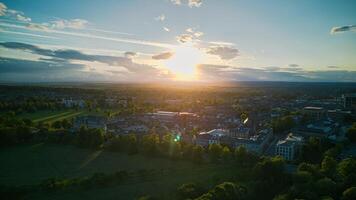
x: 184, y: 61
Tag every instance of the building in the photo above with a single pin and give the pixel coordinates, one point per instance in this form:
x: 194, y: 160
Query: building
x: 90, y: 122
x: 165, y: 116
x: 256, y: 143
x: 69, y: 103
x: 288, y: 147
x: 211, y: 137
x: 241, y: 132
x: 319, y: 128
x: 314, y: 112
x: 349, y: 101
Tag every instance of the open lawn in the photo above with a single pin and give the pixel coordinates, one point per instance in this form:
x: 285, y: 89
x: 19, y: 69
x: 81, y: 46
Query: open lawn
x: 29, y: 164
x: 52, y: 116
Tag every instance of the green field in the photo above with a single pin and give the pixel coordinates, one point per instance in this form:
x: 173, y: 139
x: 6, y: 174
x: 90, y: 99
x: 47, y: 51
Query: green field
x: 52, y: 116
x: 28, y: 165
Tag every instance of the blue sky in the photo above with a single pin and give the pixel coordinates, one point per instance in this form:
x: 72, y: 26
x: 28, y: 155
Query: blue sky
x: 177, y: 40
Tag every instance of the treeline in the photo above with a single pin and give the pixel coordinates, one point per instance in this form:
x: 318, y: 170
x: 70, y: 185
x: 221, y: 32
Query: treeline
x: 96, y: 180
x: 328, y: 180
x: 30, y: 104
x: 167, y: 146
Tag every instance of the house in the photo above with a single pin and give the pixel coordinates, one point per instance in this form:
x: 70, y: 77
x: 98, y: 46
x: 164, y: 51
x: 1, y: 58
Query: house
x: 314, y: 112
x: 241, y: 132
x: 322, y: 128
x: 69, y: 103
x: 136, y: 129
x: 165, y: 116
x: 288, y: 147
x: 349, y: 101
x: 256, y: 143
x: 211, y: 137
x: 90, y: 122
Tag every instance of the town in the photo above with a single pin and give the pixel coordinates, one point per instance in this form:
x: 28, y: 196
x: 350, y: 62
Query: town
x: 265, y: 121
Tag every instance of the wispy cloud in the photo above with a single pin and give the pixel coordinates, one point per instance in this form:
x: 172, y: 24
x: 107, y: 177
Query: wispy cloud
x: 92, y: 36
x: 166, y: 29
x: 130, y: 54
x: 189, y: 36
x: 72, y: 23
x: 161, y: 17
x: 231, y: 73
x: 176, y: 2
x: 183, y: 38
x: 162, y: 56
x: 28, y: 34
x: 60, y: 57
x: 3, y: 9
x: 190, y: 3
x: 224, y: 52
x: 13, y: 14
x: 195, y: 3
x: 341, y: 29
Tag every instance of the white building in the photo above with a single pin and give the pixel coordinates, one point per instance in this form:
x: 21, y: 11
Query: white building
x: 288, y: 147
x: 69, y: 103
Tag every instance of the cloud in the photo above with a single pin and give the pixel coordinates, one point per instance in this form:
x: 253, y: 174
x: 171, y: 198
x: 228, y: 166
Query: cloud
x: 130, y: 54
x: 190, y: 35
x: 161, y: 18
x: 293, y: 65
x: 36, y: 26
x: 162, y: 56
x: 13, y: 14
x: 28, y: 34
x: 72, y: 23
x: 166, y: 29
x: 231, y: 73
x: 183, y: 38
x: 22, y: 18
x: 66, y: 55
x: 3, y: 9
x: 176, y: 2
x: 11, y: 65
x: 190, y: 3
x: 91, y: 36
x: 333, y: 67
x: 341, y: 29
x: 224, y: 52
x: 195, y: 3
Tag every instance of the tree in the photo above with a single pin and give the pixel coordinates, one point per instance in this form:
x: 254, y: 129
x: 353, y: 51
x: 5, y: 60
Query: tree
x: 197, y: 154
x: 325, y: 186
x: 346, y: 167
x: 57, y: 124
x: 349, y: 194
x: 149, y: 144
x: 328, y: 166
x: 270, y: 169
x: 226, y: 154
x: 215, y: 152
x: 243, y: 157
x: 351, y: 133
x: 226, y: 191
x: 189, y: 191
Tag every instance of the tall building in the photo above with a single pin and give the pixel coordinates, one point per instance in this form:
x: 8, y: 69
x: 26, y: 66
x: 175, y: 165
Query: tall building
x: 288, y: 147
x: 349, y: 101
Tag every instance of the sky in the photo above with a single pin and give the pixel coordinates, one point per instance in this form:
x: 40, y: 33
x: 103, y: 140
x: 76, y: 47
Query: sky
x: 177, y: 40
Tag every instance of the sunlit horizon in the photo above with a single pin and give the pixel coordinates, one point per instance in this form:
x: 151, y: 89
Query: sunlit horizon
x: 160, y: 41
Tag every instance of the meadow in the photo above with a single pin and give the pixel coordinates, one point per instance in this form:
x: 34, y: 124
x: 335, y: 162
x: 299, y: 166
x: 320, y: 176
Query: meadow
x: 30, y: 164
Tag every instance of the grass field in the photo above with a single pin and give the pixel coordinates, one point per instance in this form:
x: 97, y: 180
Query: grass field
x: 26, y: 165
x: 52, y: 116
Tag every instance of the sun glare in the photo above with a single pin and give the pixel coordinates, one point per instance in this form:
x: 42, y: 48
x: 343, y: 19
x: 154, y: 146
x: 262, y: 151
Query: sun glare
x: 183, y: 62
